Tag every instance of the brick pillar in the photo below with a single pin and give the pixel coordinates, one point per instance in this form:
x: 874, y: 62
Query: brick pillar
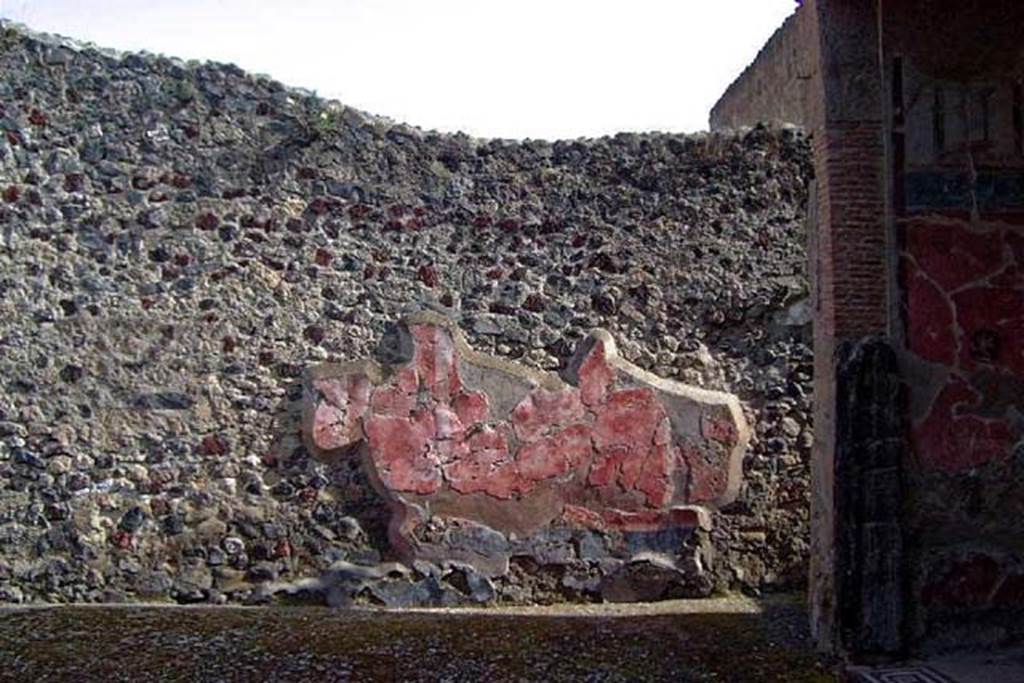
x: 851, y: 275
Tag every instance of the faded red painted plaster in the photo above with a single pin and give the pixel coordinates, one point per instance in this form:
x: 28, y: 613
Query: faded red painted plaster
x: 542, y: 410
x: 400, y: 447
x: 339, y: 415
x: 951, y: 439
x: 595, y: 376
x: 607, y: 453
x: 969, y: 582
x: 964, y: 289
x: 991, y: 322
x: 953, y: 256
x: 930, y: 320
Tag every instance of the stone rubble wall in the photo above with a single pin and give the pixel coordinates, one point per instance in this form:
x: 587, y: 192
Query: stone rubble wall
x: 180, y: 243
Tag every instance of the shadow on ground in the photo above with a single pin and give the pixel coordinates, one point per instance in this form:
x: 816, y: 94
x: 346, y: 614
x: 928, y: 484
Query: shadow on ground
x: 741, y: 641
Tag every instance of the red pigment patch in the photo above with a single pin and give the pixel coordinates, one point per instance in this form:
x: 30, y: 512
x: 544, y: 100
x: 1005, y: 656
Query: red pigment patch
x: 631, y: 435
x: 655, y: 479
x: 1015, y: 240
x: 628, y: 418
x: 435, y: 361
x: 620, y: 471
x: 392, y: 401
x: 991, y: 321
x: 930, y: 320
x: 708, y: 480
x: 952, y: 256
x: 722, y: 431
x: 337, y: 420
x: 449, y: 426
x: 1011, y: 592
x: 651, y: 520
x: 556, y: 455
x: 543, y: 410
x: 449, y: 451
x: 595, y: 375
x: 472, y: 407
x: 329, y: 432
x: 952, y: 440
x: 576, y: 515
x: 663, y: 434
x: 400, y: 451
x: 968, y: 583
x: 1011, y: 278
x: 486, y: 467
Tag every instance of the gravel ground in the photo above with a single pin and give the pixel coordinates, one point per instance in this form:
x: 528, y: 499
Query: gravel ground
x: 732, y: 639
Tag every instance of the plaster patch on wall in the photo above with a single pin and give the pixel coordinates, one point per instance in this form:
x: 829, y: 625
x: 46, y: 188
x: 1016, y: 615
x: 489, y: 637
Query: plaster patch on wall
x: 477, y: 454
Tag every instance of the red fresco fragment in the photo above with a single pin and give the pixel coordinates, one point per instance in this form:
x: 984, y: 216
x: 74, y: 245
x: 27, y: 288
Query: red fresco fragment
x: 995, y: 312
x: 556, y: 455
x: 434, y: 360
x: 392, y: 401
x: 486, y: 468
x: 952, y: 440
x: 400, y: 451
x: 329, y: 432
x: 968, y: 583
x: 628, y: 417
x: 655, y: 479
x: 708, y: 480
x: 619, y: 470
x: 965, y: 311
x: 579, y: 516
x: 449, y: 451
x: 472, y: 407
x: 610, y: 447
x: 929, y: 320
x: 542, y: 410
x: 449, y: 426
x: 607, y: 467
x: 719, y: 430
x: 406, y: 381
x: 952, y: 256
x: 595, y: 375
x: 650, y: 520
x: 337, y: 420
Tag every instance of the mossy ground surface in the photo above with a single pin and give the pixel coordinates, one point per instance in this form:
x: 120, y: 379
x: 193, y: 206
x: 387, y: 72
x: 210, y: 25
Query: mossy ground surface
x: 674, y: 643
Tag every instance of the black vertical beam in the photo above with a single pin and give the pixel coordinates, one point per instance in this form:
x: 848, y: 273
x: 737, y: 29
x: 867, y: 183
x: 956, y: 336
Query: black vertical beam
x: 869, y: 490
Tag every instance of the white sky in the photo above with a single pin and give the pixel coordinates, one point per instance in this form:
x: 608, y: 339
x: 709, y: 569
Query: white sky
x: 492, y: 68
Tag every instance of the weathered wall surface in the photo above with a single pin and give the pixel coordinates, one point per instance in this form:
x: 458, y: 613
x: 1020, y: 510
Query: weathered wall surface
x: 965, y: 320
x: 180, y: 243
x: 773, y: 89
x: 959, y: 203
